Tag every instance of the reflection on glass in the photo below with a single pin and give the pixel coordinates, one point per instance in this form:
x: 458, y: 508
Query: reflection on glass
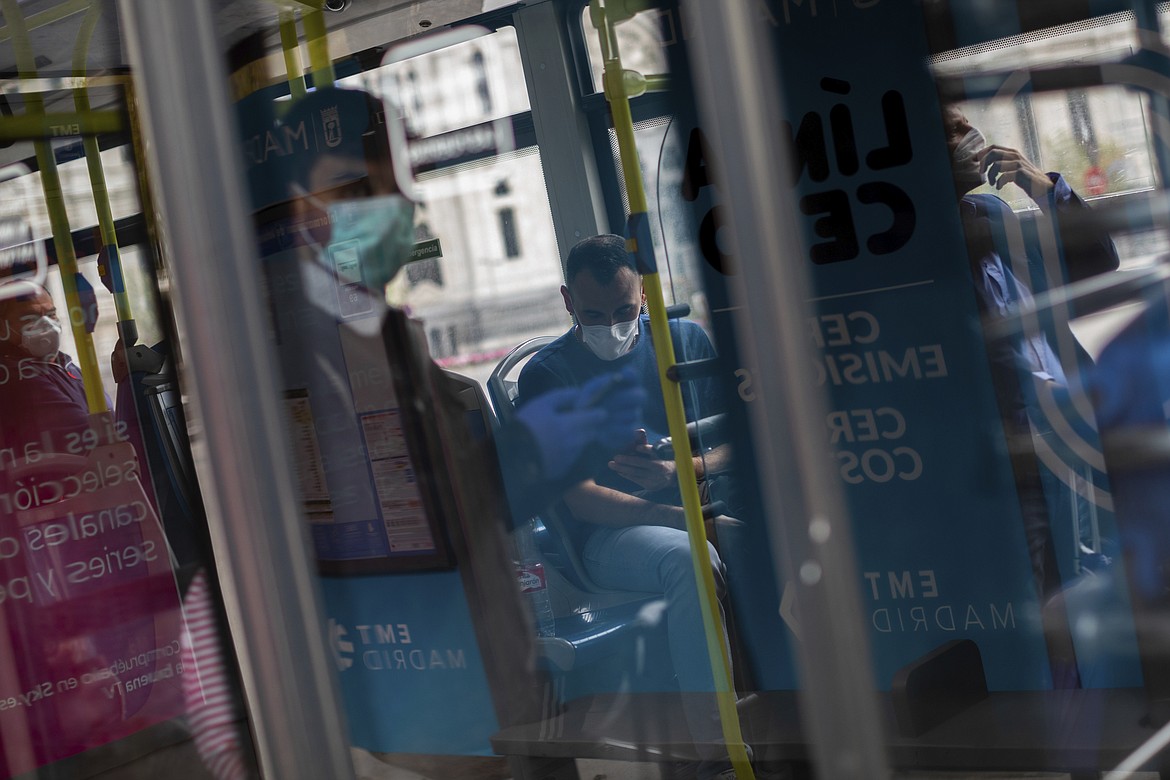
x: 482, y: 80
x: 494, y: 283
x: 102, y: 557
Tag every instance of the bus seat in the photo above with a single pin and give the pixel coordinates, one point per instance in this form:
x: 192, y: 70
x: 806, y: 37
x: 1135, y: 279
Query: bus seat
x: 592, y: 623
x: 502, y: 386
x: 552, y: 537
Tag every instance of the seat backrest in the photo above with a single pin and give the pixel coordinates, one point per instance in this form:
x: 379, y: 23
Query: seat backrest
x: 502, y: 386
x: 479, y: 417
x: 556, y: 542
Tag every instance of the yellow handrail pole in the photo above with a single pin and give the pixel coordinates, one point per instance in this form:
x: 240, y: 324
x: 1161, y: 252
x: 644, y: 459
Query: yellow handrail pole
x: 58, y: 218
x: 292, y: 59
x: 619, y: 103
x: 101, y: 195
x: 317, y: 38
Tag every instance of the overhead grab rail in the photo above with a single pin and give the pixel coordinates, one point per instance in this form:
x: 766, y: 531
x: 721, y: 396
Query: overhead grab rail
x: 605, y: 16
x: 127, y: 329
x: 1144, y: 69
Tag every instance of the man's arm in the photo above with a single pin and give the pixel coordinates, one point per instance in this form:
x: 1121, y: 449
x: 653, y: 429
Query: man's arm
x: 592, y: 503
x: 650, y: 472
x: 1085, y: 253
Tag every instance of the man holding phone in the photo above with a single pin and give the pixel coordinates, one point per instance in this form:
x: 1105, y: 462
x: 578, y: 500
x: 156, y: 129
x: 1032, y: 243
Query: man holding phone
x: 626, y: 518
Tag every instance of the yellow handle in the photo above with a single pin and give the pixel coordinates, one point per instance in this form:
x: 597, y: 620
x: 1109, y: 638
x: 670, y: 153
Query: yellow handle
x: 616, y: 95
x: 97, y: 183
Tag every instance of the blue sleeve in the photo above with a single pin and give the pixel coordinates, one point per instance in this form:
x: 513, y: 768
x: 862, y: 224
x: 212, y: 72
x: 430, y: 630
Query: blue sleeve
x: 1086, y: 252
x: 536, y: 380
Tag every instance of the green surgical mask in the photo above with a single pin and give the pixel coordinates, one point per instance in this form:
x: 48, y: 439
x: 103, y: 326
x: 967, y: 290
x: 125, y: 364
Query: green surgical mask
x: 381, y: 229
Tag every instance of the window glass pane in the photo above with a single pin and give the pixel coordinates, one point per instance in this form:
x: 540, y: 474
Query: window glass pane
x: 482, y: 80
x: 496, y: 282
x: 1098, y: 138
x: 114, y: 650
x: 24, y: 196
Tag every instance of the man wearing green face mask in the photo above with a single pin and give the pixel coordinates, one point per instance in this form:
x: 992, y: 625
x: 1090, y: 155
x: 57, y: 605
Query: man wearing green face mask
x: 347, y: 205
x: 353, y: 229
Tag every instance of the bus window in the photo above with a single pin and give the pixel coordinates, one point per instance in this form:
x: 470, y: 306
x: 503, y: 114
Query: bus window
x: 497, y: 280
x: 477, y: 77
x: 488, y: 270
x: 25, y: 197
x: 1097, y: 139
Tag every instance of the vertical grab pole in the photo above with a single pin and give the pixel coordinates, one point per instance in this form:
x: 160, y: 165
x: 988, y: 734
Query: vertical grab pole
x: 95, y: 398
x: 737, y: 84
x: 292, y: 61
x: 641, y: 245
x: 317, y: 38
x: 127, y: 329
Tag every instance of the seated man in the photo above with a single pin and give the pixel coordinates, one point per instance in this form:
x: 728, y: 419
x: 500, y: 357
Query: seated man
x: 627, y: 515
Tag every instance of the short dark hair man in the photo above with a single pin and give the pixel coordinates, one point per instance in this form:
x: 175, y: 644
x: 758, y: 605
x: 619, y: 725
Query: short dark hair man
x: 626, y: 518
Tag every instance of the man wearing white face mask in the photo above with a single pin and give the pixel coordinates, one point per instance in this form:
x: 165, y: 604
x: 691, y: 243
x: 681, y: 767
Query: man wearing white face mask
x: 1009, y: 258
x: 976, y: 162
x: 626, y: 518
x: 41, y: 390
x: 604, y: 296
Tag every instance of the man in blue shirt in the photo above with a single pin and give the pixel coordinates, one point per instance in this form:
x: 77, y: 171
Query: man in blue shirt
x: 626, y: 518
x: 1007, y: 255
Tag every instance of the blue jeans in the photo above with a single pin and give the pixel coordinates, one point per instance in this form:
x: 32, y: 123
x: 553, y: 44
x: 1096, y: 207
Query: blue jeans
x: 657, y: 559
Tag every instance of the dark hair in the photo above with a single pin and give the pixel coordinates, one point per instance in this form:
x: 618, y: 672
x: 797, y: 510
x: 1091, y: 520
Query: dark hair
x: 603, y: 256
x: 32, y: 291
x: 336, y: 121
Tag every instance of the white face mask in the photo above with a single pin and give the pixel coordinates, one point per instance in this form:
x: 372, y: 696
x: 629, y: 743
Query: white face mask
x: 966, y: 168
x: 41, y: 338
x: 610, y: 342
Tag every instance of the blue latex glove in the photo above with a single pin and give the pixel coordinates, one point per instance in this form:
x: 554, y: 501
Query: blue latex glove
x: 605, y: 410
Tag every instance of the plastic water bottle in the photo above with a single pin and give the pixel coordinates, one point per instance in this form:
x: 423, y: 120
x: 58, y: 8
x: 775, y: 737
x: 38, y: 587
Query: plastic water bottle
x: 530, y: 574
